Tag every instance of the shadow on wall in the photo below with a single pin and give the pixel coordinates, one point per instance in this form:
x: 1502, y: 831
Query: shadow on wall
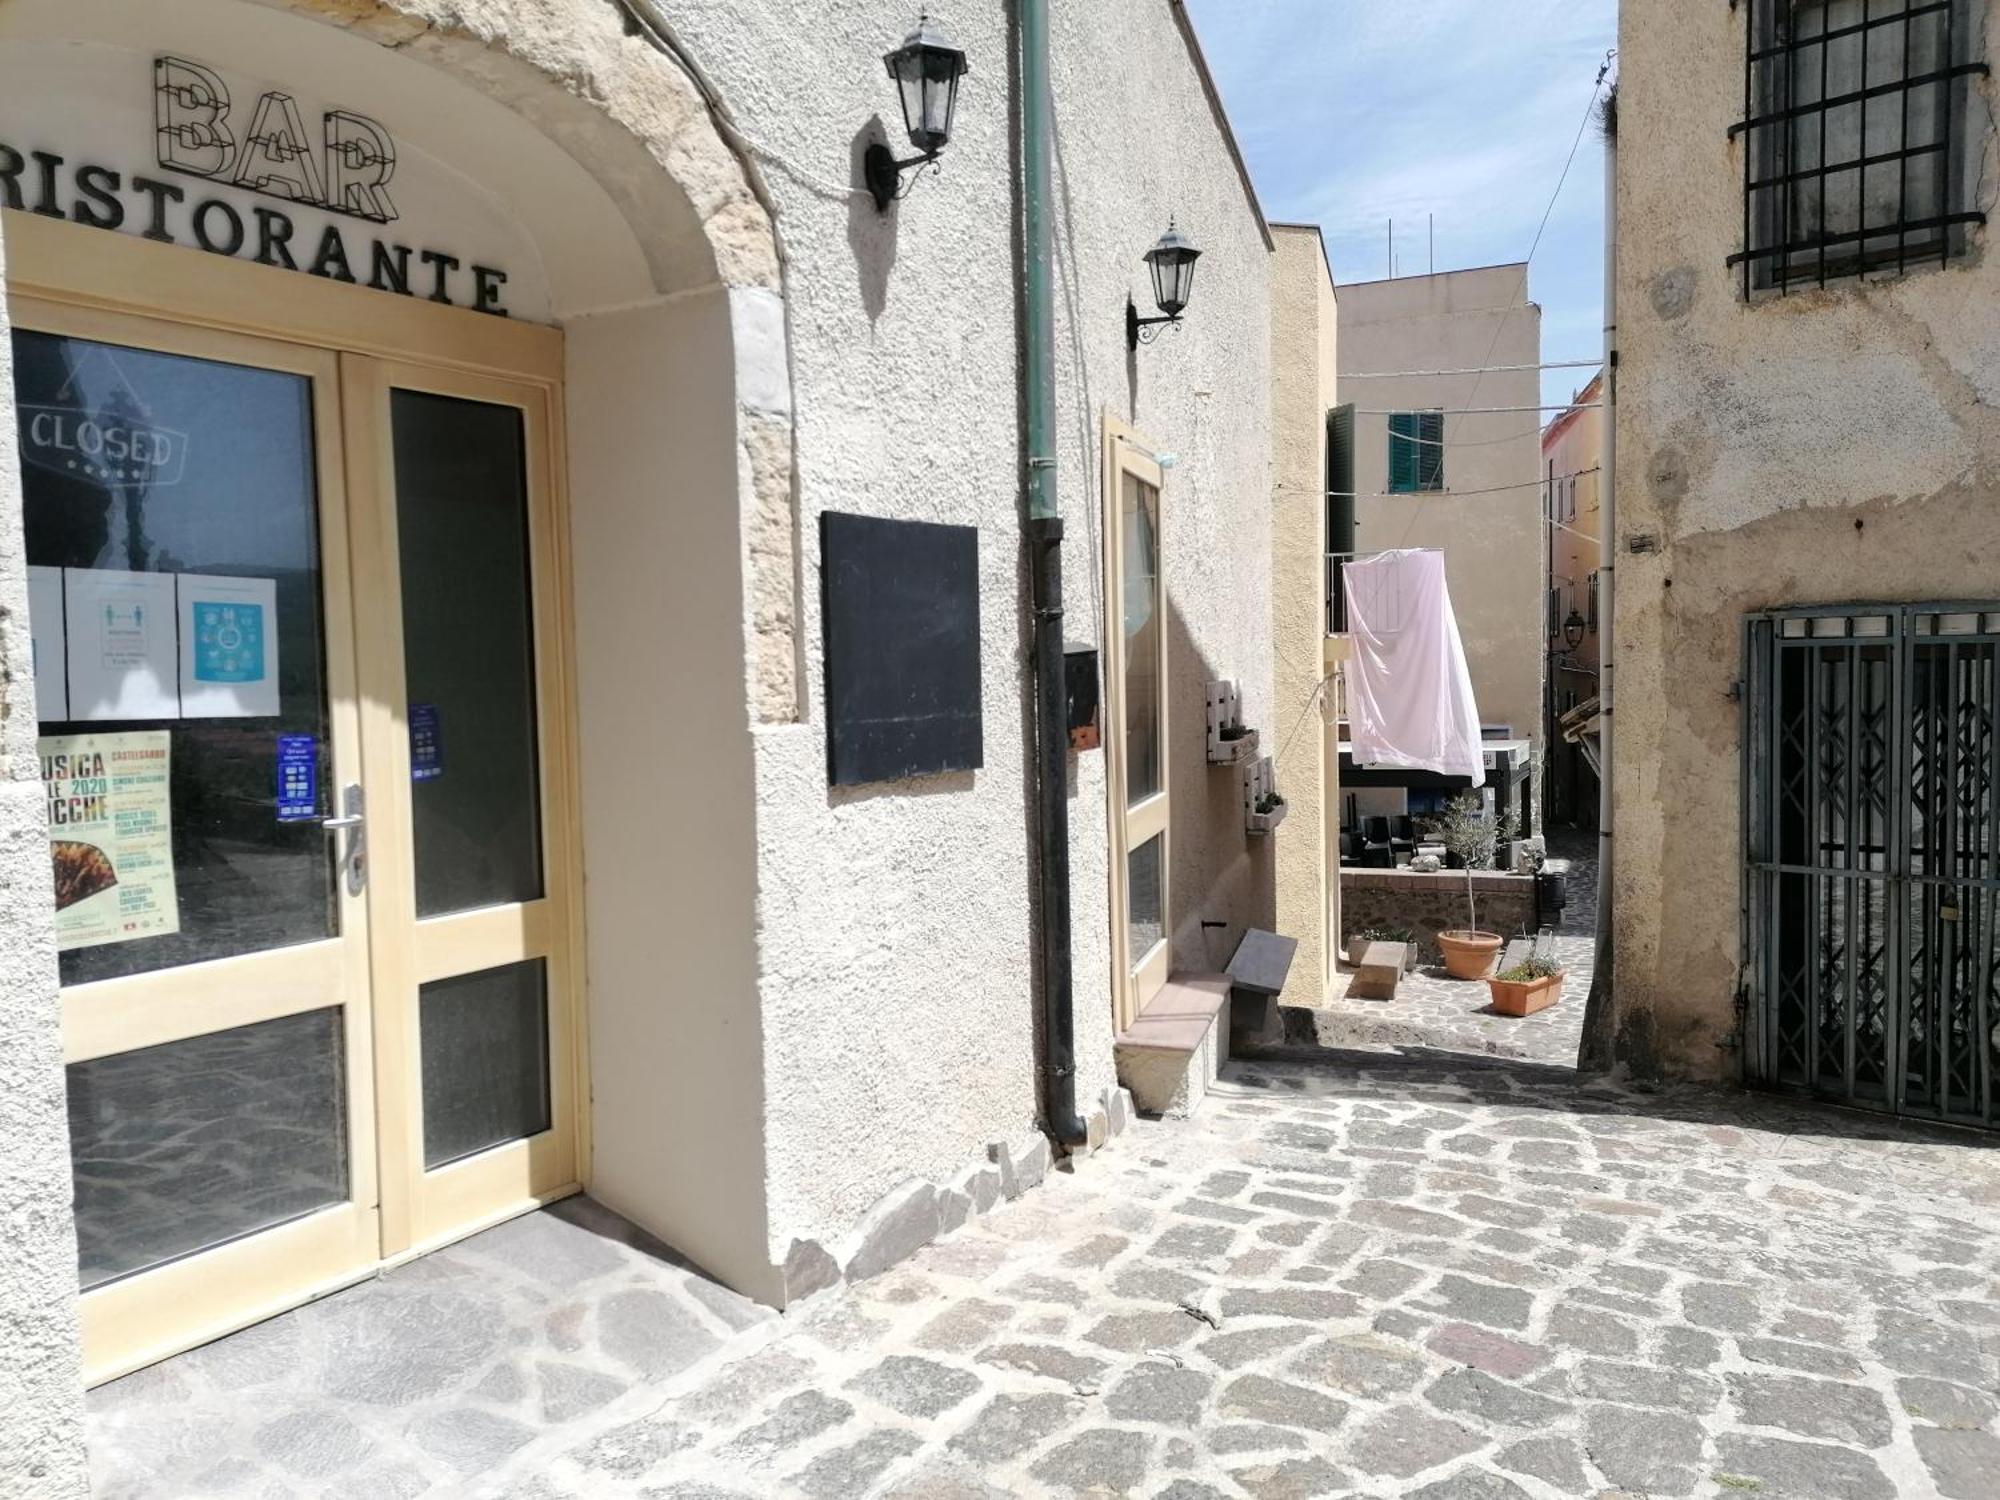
x: 871, y: 233
x: 1220, y: 872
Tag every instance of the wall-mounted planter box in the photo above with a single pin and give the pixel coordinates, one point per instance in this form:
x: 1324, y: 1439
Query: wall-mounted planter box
x: 1229, y: 743
x: 1263, y: 809
x: 1266, y: 822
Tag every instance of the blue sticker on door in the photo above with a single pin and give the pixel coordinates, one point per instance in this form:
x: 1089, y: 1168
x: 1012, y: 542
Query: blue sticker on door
x: 426, y: 744
x: 298, y: 777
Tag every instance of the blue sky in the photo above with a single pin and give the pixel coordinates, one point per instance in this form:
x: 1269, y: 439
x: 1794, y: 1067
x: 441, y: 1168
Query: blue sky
x: 1351, y: 112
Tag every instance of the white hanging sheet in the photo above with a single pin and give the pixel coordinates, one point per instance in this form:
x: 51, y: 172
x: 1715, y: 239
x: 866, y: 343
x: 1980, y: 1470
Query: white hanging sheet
x: 1409, y: 695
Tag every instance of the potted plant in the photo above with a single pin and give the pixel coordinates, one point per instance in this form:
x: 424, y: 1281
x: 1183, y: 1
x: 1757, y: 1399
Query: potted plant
x: 1532, y: 985
x: 1471, y: 834
x: 1267, y: 812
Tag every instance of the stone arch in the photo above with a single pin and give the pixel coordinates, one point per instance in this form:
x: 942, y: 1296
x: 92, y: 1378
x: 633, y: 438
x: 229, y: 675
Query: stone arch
x: 638, y: 123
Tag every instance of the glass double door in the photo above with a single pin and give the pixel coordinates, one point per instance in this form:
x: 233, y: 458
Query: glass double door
x: 294, y: 617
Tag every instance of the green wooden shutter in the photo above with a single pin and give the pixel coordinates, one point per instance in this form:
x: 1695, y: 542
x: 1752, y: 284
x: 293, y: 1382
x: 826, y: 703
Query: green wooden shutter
x: 1403, y: 449
x: 1430, y: 451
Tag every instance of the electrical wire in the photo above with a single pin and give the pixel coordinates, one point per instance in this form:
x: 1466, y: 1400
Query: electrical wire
x: 1526, y: 484
x: 1500, y: 325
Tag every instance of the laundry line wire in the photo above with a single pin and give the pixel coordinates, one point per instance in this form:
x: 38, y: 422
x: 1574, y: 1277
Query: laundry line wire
x: 1548, y: 211
x: 1554, y: 364
x: 1527, y: 484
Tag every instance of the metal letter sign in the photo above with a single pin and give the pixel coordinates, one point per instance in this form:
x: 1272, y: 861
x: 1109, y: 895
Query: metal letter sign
x: 275, y: 156
x: 344, y: 169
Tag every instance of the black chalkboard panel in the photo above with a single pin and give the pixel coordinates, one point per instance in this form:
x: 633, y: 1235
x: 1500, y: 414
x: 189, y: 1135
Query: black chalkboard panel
x: 901, y: 603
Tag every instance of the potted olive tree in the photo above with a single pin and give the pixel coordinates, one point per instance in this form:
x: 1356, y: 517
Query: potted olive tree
x: 1470, y: 834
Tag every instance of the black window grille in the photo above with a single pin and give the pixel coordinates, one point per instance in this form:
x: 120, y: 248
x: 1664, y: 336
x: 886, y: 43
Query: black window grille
x: 1590, y: 619
x: 1854, y: 125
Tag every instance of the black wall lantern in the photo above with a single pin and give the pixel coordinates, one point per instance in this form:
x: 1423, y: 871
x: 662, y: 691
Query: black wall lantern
x: 927, y: 68
x: 1573, y: 629
x: 1172, y: 264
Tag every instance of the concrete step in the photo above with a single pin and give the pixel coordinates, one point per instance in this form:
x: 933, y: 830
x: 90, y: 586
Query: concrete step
x: 1173, y: 1051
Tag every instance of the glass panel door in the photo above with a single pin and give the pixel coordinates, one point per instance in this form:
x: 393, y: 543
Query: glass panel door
x: 184, y: 511
x: 473, y: 955
x: 1137, y: 765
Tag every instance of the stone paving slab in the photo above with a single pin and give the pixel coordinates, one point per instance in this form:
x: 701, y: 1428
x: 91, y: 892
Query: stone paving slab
x: 1465, y: 1281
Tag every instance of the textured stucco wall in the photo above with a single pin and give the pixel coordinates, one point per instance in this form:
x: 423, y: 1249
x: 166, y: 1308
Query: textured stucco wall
x: 1494, y: 549
x: 1304, y: 328
x: 41, y: 1385
x: 1826, y: 447
x: 895, y: 922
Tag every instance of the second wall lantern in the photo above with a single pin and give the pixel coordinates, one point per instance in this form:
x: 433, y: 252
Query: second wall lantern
x: 1172, y: 264
x: 927, y: 68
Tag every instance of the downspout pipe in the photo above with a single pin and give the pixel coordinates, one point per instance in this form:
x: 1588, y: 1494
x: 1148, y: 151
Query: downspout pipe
x: 1598, y: 1050
x: 1044, y: 536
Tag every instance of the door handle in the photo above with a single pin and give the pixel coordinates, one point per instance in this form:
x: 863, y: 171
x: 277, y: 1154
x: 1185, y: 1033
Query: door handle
x: 352, y: 821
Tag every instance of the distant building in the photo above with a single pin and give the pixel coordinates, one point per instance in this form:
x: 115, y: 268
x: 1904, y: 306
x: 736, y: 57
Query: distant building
x: 1453, y: 461
x: 1572, y: 480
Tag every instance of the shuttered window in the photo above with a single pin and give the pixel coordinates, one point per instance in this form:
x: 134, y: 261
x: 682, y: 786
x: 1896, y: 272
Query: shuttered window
x: 1416, y: 451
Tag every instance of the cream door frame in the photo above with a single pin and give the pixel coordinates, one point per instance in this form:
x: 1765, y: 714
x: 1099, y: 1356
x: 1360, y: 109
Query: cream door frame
x: 422, y: 1209
x: 139, y: 1318
x: 93, y: 283
x: 1136, y: 977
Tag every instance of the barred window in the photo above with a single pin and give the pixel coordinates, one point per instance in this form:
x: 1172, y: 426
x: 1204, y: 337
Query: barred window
x: 1855, y: 134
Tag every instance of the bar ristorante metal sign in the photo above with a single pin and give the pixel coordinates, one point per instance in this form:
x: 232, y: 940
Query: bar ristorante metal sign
x: 342, y: 168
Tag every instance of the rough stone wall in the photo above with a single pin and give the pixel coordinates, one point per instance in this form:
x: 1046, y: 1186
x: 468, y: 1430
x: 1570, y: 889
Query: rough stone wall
x: 1303, y: 332
x: 41, y: 1383
x: 1428, y: 904
x: 1487, y: 519
x: 1825, y: 447
x: 896, y: 921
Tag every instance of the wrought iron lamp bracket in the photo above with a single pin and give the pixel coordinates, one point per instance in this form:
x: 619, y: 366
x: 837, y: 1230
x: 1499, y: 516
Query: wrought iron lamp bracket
x: 1140, y: 330
x: 883, y: 173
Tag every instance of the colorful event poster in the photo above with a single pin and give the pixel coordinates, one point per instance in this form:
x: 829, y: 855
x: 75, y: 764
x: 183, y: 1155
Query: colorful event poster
x: 229, y: 647
x: 110, y: 836
x: 121, y: 644
x: 45, y: 631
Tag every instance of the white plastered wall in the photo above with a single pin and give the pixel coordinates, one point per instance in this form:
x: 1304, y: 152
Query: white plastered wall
x: 896, y: 922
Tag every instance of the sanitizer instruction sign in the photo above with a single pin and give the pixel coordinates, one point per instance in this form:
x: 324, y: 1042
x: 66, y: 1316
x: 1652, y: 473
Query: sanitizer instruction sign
x: 110, y: 837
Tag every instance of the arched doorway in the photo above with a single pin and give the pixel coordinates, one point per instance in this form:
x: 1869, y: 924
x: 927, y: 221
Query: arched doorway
x: 396, y: 617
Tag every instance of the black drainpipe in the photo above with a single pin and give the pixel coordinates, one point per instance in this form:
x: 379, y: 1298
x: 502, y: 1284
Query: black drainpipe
x: 1044, y: 534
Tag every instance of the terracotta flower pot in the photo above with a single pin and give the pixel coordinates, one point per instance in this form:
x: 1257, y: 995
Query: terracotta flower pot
x: 1469, y: 954
x: 1523, y: 997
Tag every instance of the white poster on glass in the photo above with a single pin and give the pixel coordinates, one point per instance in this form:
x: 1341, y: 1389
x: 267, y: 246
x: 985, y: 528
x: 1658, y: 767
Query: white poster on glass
x: 121, y: 645
x: 45, y: 631
x: 229, y: 647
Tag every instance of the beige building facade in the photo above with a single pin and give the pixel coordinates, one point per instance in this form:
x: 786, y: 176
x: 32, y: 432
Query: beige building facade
x: 1573, y: 491
x: 1808, y: 550
x: 1304, y: 330
x: 1466, y: 479
x: 784, y: 1018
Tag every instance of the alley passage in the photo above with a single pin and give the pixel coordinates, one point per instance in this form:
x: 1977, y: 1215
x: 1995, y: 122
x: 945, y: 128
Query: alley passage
x: 1475, y: 1281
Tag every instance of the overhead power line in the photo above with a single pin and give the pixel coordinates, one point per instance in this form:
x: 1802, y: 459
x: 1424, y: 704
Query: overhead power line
x: 1472, y: 411
x: 1520, y: 293
x: 1557, y: 364
x: 1527, y: 484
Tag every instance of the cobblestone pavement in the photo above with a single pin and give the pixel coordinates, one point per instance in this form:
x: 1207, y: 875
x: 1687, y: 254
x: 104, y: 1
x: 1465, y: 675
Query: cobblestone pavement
x: 1433, y: 1010
x: 1474, y: 1281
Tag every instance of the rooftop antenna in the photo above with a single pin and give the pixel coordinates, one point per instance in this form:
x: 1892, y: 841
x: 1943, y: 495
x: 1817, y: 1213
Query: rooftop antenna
x: 1392, y: 247
x: 1434, y: 244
